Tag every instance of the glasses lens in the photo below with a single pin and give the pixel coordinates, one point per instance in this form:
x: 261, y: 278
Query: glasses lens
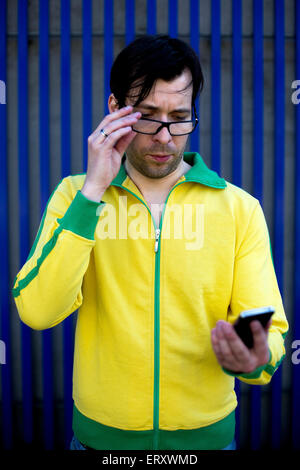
x: 180, y: 128
x: 146, y: 127
x: 150, y: 127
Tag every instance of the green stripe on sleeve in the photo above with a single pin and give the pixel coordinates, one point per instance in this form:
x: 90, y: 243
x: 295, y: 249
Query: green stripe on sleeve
x: 41, y: 225
x: 48, y: 247
x: 80, y: 218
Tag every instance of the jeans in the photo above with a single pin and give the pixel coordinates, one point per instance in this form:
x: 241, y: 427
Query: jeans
x: 231, y: 446
x: 76, y: 445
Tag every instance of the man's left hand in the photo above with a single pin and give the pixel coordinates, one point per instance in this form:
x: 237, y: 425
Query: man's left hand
x: 233, y: 354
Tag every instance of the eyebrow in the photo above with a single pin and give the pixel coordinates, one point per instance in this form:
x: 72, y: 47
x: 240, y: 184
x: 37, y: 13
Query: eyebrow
x: 156, y: 108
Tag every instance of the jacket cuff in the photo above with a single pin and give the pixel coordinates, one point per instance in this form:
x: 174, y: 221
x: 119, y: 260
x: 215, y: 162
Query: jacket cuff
x: 82, y: 216
x: 255, y: 374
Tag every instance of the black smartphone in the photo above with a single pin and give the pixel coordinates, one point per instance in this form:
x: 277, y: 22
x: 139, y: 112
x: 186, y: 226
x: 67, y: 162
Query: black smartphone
x: 242, y: 324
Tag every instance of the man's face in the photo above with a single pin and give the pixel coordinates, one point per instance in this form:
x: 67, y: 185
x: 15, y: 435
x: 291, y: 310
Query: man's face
x: 167, y: 101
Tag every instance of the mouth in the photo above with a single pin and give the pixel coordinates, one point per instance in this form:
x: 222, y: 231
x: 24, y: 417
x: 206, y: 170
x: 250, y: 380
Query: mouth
x: 160, y: 158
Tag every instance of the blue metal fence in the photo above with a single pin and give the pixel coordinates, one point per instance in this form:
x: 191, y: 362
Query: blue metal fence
x: 236, y: 127
x: 24, y: 242
x: 277, y: 241
x: 257, y: 173
x: 6, y: 372
x: 296, y: 309
x: 65, y: 171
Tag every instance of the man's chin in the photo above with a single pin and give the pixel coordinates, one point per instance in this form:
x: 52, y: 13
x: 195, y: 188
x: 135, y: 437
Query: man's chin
x: 159, y: 170
x: 151, y: 167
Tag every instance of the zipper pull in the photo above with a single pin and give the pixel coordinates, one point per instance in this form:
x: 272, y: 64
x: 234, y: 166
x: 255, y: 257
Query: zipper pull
x: 157, y: 233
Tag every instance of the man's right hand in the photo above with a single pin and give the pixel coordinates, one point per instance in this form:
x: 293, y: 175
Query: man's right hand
x: 105, y: 153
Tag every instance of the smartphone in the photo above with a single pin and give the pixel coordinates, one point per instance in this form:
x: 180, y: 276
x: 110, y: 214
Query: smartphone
x: 242, y: 324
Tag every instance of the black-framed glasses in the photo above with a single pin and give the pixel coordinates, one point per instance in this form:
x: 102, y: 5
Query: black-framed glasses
x: 175, y: 128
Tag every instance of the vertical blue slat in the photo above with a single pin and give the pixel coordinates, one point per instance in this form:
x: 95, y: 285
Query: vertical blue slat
x: 6, y: 372
x: 258, y: 99
x: 215, y: 85
x: 45, y: 192
x: 257, y: 175
x: 24, y: 210
x: 173, y: 18
x: 65, y: 88
x: 151, y: 16
x: 194, y: 41
x: 130, y: 21
x: 237, y: 130
x: 66, y: 170
x: 44, y: 102
x: 237, y: 92
x: 108, y: 48
x: 278, y: 196
x: 296, y: 310
x: 87, y: 75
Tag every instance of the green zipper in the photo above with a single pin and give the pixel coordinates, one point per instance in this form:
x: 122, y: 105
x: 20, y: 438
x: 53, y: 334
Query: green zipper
x: 156, y: 314
x: 156, y: 325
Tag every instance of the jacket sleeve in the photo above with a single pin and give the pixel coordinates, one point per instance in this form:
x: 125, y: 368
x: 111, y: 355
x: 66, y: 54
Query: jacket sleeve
x: 255, y: 285
x: 48, y: 287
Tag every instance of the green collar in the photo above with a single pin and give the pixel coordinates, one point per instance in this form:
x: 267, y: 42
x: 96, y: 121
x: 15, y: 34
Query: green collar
x: 199, y: 173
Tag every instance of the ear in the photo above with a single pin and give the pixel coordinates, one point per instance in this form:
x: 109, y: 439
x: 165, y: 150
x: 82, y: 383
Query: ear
x: 112, y: 103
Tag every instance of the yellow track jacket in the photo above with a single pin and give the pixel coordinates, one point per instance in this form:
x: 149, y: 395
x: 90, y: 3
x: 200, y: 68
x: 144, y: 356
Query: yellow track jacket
x: 145, y: 375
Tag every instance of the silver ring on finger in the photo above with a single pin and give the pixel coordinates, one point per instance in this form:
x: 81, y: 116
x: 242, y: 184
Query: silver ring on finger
x: 103, y: 133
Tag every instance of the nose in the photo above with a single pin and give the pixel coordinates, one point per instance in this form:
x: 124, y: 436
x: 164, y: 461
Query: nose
x: 163, y: 136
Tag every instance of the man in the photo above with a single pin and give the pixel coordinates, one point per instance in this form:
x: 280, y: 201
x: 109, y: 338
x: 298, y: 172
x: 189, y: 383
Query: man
x: 160, y: 255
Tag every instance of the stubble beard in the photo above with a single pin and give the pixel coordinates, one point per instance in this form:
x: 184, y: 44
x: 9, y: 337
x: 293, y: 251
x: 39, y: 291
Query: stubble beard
x: 153, y: 169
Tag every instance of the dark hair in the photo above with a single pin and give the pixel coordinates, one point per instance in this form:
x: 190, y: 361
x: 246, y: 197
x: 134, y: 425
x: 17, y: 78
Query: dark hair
x: 149, y: 58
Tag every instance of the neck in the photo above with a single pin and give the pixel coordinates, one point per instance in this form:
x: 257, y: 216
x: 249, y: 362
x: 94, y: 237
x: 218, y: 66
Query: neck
x: 156, y: 185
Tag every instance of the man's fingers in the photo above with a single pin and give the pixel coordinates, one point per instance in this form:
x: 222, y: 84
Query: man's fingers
x: 239, y: 351
x: 98, y: 138
x: 116, y: 115
x: 123, y: 143
x: 223, y: 360
x: 231, y: 351
x: 113, y: 138
x: 260, y: 343
x: 122, y: 122
x: 267, y: 327
x: 215, y: 342
x: 108, y: 118
x: 225, y: 351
